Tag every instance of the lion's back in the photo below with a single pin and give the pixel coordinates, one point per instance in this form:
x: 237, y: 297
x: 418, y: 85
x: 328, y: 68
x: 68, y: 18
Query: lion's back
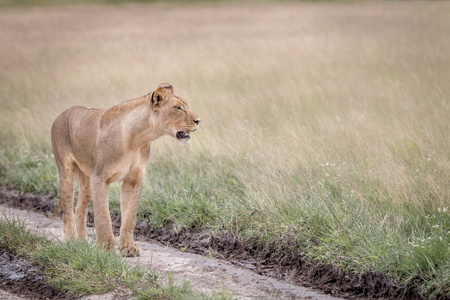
x: 74, y: 132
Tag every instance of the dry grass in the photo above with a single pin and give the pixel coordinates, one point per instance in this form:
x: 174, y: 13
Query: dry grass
x: 350, y: 98
x: 364, y: 84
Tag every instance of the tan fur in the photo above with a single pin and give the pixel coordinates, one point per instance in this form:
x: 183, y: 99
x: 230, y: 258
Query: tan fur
x: 101, y: 146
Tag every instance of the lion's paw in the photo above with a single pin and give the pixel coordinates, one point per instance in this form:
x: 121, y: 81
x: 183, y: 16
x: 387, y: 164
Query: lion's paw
x: 134, y: 251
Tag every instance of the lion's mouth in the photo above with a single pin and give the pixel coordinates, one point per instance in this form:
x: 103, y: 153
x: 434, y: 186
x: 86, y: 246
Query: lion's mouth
x: 181, y: 135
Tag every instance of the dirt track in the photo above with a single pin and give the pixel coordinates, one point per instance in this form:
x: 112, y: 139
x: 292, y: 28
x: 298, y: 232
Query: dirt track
x: 205, y: 274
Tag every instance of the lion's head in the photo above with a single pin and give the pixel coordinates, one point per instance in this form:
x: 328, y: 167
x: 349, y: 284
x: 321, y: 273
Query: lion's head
x: 173, y: 114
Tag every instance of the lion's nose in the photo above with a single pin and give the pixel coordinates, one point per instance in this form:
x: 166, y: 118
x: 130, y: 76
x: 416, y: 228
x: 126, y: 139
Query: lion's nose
x: 197, y: 121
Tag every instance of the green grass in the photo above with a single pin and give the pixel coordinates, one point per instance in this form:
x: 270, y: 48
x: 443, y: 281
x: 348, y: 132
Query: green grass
x: 318, y: 214
x: 29, y: 169
x: 357, y: 233
x: 324, y: 125
x: 79, y: 268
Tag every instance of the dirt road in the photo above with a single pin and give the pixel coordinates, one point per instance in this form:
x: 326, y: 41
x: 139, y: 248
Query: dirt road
x: 205, y: 274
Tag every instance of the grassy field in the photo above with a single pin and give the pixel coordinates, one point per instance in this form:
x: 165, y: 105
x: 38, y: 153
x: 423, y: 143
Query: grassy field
x: 325, y: 126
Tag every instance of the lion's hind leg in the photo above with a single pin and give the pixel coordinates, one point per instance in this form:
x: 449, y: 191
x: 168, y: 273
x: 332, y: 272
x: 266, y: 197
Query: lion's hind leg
x: 82, y: 206
x: 68, y: 174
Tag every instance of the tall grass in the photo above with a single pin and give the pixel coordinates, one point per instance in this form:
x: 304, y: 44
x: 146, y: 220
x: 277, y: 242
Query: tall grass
x: 324, y: 123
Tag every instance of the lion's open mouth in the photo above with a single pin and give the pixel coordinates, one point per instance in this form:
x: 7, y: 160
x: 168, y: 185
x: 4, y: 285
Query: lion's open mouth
x: 181, y: 135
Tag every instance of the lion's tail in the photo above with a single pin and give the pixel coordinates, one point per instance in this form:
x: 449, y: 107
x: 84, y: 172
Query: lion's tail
x: 58, y: 210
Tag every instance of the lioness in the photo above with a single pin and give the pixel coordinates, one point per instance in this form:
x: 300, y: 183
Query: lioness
x: 101, y: 146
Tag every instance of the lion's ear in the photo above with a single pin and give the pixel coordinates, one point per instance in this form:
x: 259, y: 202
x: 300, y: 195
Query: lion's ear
x: 167, y: 86
x: 159, y: 96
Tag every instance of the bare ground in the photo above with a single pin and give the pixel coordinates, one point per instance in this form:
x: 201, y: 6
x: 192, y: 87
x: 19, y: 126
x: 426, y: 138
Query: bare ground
x: 205, y: 274
x: 4, y: 295
x: 19, y: 276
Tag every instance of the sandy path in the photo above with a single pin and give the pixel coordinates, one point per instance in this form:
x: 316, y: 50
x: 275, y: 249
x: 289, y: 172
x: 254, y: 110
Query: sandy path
x: 205, y: 274
x: 4, y: 295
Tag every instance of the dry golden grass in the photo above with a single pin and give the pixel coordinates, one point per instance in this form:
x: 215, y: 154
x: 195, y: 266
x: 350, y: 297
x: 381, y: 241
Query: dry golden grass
x: 365, y: 84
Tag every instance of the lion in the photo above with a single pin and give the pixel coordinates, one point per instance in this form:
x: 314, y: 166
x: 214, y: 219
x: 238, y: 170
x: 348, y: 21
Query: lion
x: 100, y: 146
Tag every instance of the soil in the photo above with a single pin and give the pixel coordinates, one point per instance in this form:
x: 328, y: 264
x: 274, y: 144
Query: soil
x: 244, y: 266
x: 19, y: 276
x: 4, y: 295
x: 288, y: 266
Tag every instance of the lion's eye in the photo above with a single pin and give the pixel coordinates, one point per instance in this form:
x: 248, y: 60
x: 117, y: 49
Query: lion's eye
x: 179, y: 107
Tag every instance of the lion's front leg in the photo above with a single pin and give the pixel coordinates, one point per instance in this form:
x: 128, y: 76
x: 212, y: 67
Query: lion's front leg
x: 102, y: 219
x: 130, y: 194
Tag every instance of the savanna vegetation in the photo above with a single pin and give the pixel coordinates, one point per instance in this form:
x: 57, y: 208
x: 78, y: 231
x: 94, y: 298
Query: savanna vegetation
x: 324, y: 125
x: 77, y: 268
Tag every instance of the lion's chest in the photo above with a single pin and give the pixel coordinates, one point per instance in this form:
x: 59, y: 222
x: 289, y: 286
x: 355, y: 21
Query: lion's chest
x: 130, y: 164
